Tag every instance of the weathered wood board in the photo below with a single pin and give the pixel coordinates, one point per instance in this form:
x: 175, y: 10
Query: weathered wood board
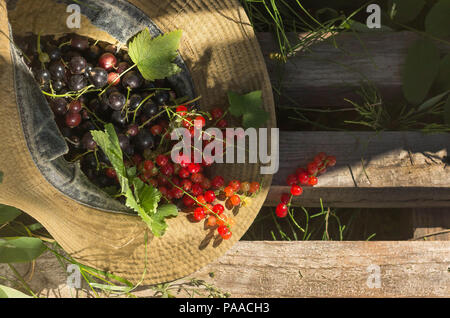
x: 299, y: 269
x: 387, y: 169
x: 329, y: 71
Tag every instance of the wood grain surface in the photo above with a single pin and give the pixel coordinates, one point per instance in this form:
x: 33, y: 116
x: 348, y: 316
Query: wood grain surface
x: 297, y: 269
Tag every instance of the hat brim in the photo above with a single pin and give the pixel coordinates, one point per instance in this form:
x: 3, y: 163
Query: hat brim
x: 222, y: 54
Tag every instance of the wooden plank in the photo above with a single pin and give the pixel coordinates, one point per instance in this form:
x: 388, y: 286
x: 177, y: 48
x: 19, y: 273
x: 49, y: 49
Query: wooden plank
x: 388, y: 169
x: 431, y: 224
x: 325, y: 74
x: 333, y: 269
x: 295, y: 269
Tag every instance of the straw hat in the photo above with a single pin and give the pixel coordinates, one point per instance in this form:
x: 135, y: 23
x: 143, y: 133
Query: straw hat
x: 221, y: 53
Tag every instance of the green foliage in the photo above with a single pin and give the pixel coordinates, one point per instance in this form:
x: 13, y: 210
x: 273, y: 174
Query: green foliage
x: 404, y: 11
x: 437, y: 21
x: 443, y: 78
x: 154, y: 56
x: 249, y: 107
x: 420, y: 70
x: 20, y: 249
x: 8, y: 213
x: 447, y: 111
x: 7, y: 292
x: 140, y: 197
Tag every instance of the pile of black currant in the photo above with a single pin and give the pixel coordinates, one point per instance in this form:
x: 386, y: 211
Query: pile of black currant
x: 90, y: 83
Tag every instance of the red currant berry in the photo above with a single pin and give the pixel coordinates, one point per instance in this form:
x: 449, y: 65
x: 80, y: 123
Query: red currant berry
x: 107, y: 61
x: 75, y: 106
x: 167, y: 170
x: 186, y: 184
x: 254, y: 187
x: 181, y: 110
x: 163, y: 190
x: 313, y: 181
x: 320, y: 157
x: 222, y: 123
x: 296, y: 190
x: 193, y: 168
x: 281, y: 210
x: 235, y: 185
x: 177, y: 193
x: 148, y: 165
x: 201, y: 199
x: 73, y: 120
x: 235, y: 200
x: 216, y: 113
x: 224, y: 232
x: 211, y: 222
x: 162, y: 160
x: 199, y: 122
x: 199, y: 214
x: 229, y: 191
x: 218, y: 209
x: 196, y: 189
x: 331, y: 161
x: 111, y: 173
x: 312, y: 168
x: 206, y: 183
x: 291, y: 179
x: 188, y: 201
x: 197, y: 177
x: 183, y: 173
x: 217, y: 182
x: 156, y: 130
x: 285, y: 197
x: 303, y: 178
x: 210, y: 196
x: 113, y: 79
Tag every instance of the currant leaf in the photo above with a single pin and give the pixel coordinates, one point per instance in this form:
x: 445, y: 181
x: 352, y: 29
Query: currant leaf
x: 154, y: 56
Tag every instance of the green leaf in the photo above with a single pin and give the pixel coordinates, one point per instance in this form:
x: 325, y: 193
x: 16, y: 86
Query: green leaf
x: 143, y: 198
x: 432, y: 101
x: 154, y: 56
x: 8, y: 213
x: 437, y: 21
x: 240, y: 104
x: 249, y: 106
x: 407, y: 10
x: 443, y: 78
x: 20, y: 249
x: 255, y: 118
x: 447, y: 111
x: 418, y: 75
x: 8, y: 292
x: 163, y: 212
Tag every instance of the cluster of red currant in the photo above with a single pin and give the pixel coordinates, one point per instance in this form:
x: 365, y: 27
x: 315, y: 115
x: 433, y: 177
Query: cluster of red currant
x: 304, y: 177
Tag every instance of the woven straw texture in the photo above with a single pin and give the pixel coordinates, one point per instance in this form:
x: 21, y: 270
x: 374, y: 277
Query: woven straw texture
x: 222, y: 53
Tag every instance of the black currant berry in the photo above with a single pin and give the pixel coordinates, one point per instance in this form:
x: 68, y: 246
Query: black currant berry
x: 59, y: 106
x: 57, y: 70
x: 144, y: 140
x: 124, y: 142
x: 88, y: 141
x: 118, y: 118
x: 55, y: 54
x: 77, y: 82
x: 132, y: 80
x: 134, y: 101
x: 116, y: 100
x: 150, y: 109
x: 161, y: 98
x: 79, y: 42
x: 43, y: 76
x: 57, y: 85
x: 98, y: 77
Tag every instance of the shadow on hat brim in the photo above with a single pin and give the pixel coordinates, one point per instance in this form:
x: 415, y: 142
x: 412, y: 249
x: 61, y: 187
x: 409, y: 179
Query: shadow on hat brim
x: 222, y: 54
